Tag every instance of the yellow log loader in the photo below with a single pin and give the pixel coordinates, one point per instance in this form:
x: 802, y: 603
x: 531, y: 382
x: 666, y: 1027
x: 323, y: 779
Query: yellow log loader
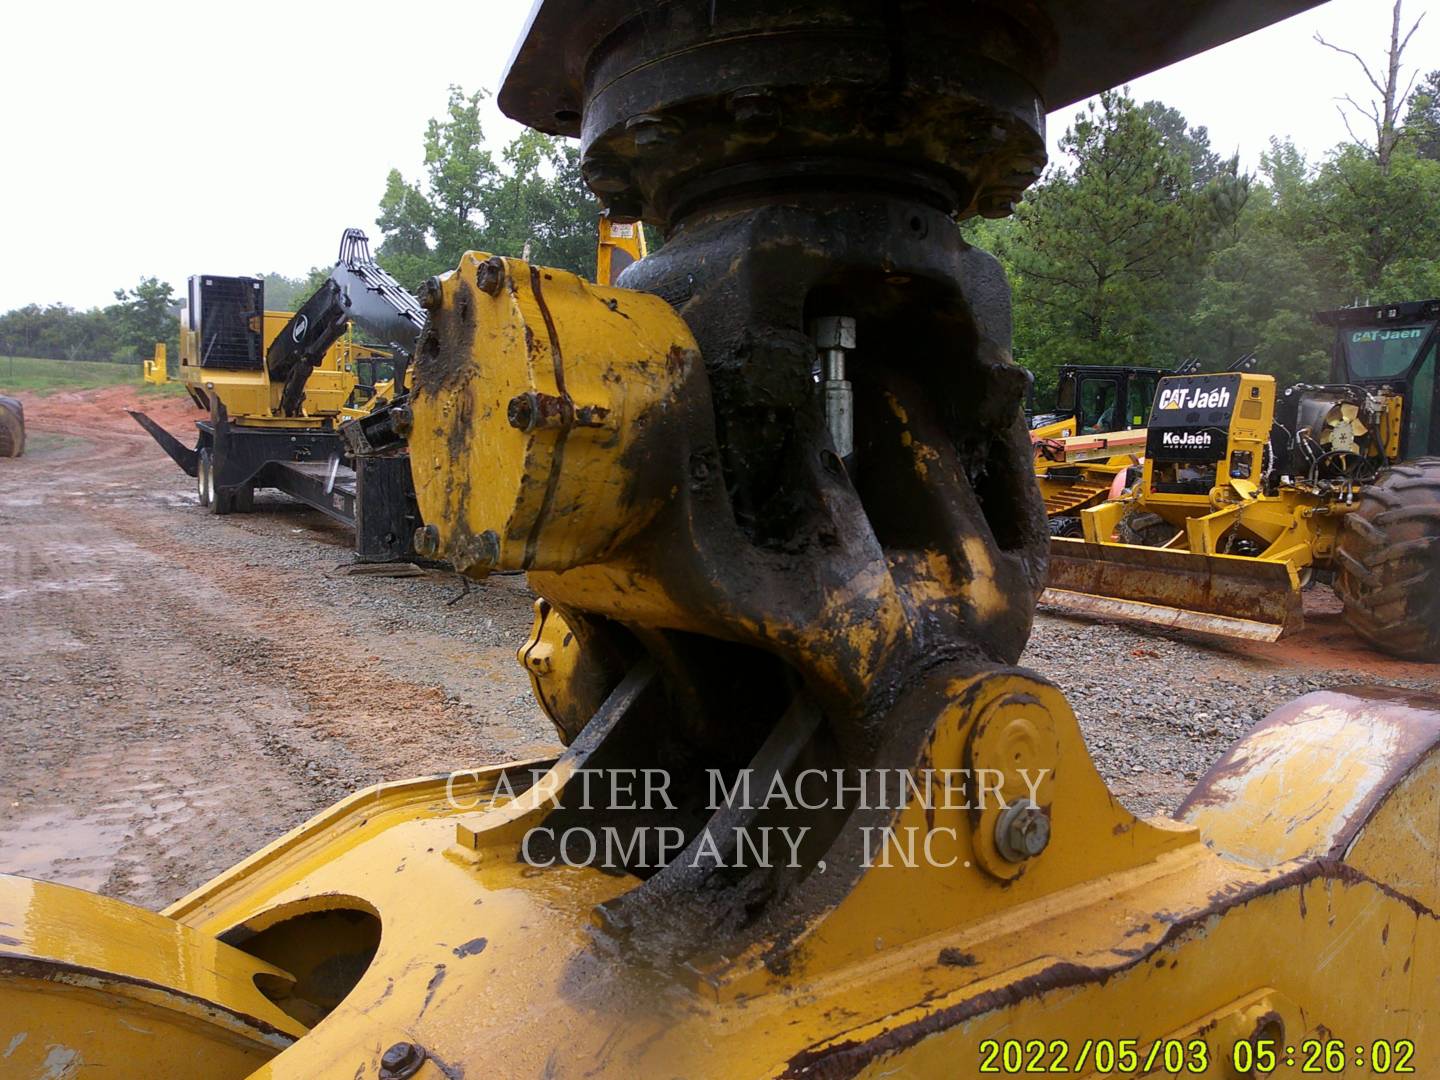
x: 810, y: 820
x: 279, y: 385
x: 1245, y: 497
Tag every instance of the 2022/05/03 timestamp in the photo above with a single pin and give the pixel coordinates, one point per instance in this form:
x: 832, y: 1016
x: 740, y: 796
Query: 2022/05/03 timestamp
x: 1194, y: 1057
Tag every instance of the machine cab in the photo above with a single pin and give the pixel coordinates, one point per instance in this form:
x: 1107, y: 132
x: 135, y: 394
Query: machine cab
x: 1104, y: 399
x: 1394, y: 346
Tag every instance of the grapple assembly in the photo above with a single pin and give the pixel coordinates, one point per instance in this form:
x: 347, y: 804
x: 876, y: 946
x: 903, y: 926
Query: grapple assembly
x: 776, y: 497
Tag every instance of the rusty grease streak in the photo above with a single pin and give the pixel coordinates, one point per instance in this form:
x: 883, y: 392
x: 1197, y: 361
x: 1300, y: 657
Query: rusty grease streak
x: 557, y: 458
x: 848, y: 1058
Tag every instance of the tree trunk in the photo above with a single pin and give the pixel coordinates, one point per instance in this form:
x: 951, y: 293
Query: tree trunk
x: 1385, y: 112
x: 1389, y: 131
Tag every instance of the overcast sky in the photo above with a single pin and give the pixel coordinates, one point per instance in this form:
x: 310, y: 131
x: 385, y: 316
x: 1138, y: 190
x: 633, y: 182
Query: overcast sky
x: 168, y: 138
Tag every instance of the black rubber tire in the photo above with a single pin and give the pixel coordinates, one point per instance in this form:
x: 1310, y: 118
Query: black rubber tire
x: 204, y: 478
x: 236, y: 500
x: 1388, y: 562
x: 12, y: 427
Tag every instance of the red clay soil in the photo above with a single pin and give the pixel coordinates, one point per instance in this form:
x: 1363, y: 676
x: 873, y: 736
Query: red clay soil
x: 180, y: 688
x: 1327, y: 644
x: 87, y: 412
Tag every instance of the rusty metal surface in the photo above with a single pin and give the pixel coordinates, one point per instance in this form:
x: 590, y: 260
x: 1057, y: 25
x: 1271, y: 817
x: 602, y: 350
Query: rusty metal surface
x: 680, y: 102
x: 1066, y: 498
x: 1222, y: 594
x: 1175, y: 948
x: 1307, y: 779
x: 1095, y: 45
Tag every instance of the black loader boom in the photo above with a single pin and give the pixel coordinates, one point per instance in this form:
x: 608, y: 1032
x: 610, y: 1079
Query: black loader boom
x: 357, y: 291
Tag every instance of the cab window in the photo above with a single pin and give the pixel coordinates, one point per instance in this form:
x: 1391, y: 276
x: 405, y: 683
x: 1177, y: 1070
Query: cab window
x: 1424, y: 433
x: 1099, y: 398
x: 1140, y: 395
x: 1374, y: 353
x: 1065, y: 395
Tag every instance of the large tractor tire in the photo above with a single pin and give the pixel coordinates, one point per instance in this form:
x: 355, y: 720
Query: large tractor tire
x: 12, y: 427
x: 1388, y: 560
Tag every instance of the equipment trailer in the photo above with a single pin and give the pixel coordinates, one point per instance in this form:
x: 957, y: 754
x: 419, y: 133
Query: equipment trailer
x: 278, y: 386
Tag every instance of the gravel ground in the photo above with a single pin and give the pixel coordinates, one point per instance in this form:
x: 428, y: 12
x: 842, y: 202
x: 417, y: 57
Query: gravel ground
x: 1159, y: 707
x: 180, y: 688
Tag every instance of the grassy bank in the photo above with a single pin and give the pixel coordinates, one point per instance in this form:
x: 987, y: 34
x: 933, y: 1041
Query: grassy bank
x: 38, y: 376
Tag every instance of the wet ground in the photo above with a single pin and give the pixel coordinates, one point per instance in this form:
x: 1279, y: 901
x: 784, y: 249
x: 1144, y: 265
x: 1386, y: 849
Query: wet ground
x: 177, y: 689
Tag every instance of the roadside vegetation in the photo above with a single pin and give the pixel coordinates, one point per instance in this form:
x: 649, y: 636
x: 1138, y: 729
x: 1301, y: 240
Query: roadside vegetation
x: 41, y: 375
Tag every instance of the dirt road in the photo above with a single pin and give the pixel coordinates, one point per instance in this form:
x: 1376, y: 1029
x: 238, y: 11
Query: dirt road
x: 177, y: 689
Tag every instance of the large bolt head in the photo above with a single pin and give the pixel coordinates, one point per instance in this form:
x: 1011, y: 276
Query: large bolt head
x: 427, y: 540
x: 521, y: 412
x: 430, y: 295
x: 755, y: 111
x: 401, y: 1061
x: 402, y: 420
x: 1022, y: 831
x: 488, y: 554
x: 490, y: 276
x: 605, y: 176
x: 624, y: 207
x: 648, y: 130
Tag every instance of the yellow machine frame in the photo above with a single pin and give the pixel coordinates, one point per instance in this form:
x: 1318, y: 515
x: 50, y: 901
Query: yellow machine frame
x: 619, y: 245
x: 1075, y: 472
x: 806, y: 555
x: 250, y: 397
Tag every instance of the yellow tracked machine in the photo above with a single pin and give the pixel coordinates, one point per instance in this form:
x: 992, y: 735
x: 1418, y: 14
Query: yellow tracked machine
x: 776, y: 494
x: 1086, y: 448
x: 1245, y: 497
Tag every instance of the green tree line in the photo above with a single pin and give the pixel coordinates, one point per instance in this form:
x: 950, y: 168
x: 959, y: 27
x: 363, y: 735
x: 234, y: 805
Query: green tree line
x: 529, y: 196
x: 1142, y: 245
x: 122, y: 332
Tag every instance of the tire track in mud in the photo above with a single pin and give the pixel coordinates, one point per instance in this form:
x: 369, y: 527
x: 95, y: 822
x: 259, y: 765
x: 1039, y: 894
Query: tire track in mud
x: 180, y: 689
x: 125, y: 773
